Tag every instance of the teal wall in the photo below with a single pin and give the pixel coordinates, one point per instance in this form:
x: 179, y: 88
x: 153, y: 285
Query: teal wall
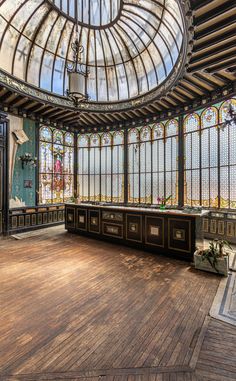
x: 28, y: 173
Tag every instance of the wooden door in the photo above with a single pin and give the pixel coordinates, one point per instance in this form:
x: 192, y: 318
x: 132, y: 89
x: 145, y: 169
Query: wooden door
x: 3, y: 176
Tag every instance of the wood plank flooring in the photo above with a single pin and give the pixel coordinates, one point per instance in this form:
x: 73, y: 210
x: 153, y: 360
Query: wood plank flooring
x: 73, y: 308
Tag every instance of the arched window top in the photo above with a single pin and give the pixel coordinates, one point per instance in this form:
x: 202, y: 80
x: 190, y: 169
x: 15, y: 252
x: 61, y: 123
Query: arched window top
x: 158, y: 131
x: 83, y: 141
x: 45, y: 134
x: 106, y: 139
x: 225, y: 107
x: 191, y: 122
x: 69, y: 139
x: 118, y: 138
x: 133, y: 135
x: 172, y: 127
x: 145, y: 134
x: 94, y: 140
x: 58, y: 137
x: 209, y: 117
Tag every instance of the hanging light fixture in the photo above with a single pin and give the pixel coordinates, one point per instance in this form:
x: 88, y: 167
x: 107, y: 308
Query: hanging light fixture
x: 76, y: 73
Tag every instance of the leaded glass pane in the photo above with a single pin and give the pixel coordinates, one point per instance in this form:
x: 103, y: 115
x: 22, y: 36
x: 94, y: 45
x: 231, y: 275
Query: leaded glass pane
x: 56, y: 166
x: 209, y: 117
x: 45, y: 134
x: 45, y: 189
x: 191, y: 123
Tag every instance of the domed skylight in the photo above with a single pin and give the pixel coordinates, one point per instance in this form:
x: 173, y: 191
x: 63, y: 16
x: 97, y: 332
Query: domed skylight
x: 130, y: 46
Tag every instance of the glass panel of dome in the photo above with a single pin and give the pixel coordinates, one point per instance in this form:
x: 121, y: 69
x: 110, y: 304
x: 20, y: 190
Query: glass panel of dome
x: 95, y: 12
x: 132, y: 79
x: 116, y: 55
x: 34, y: 65
x: 171, y: 24
x: 8, y: 45
x: 131, y: 39
x: 92, y: 49
x: 46, y: 71
x: 85, y: 11
x: 99, y: 49
x: 45, y: 30
x: 91, y: 83
x: 173, y: 8
x: 64, y: 6
x: 125, y: 76
x: 21, y: 57
x: 55, y: 35
x: 3, y: 25
x: 59, y: 67
x: 119, y: 44
x: 150, y: 69
x: 110, y: 54
x: 72, y: 8
x: 169, y: 41
x: 106, y: 12
x: 112, y: 83
x: 102, y: 84
x: 141, y: 74
x: 35, y: 19
x: 8, y: 8
x: 64, y: 44
x: 24, y: 13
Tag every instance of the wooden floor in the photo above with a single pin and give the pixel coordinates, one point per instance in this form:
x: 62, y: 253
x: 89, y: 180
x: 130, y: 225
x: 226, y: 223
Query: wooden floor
x: 73, y: 308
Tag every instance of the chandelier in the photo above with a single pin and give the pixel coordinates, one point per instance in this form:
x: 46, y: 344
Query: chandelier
x: 76, y: 72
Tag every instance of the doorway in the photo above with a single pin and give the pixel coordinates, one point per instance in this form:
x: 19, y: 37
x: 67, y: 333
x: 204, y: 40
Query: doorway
x: 3, y: 176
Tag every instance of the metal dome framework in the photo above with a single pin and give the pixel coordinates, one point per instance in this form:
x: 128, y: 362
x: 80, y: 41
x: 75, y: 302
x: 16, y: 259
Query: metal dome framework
x: 131, y: 47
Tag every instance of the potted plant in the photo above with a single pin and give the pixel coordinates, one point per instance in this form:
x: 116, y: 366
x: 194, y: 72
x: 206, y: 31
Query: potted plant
x: 215, y: 258
x: 75, y: 199
x: 162, y: 201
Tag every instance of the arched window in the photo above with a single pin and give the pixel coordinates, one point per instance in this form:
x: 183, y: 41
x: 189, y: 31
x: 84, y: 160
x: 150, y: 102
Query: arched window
x: 227, y: 152
x: 209, y: 157
x: 133, y: 166
x: 171, y: 161
x: 56, y: 166
x: 145, y: 165
x: 158, y: 162
x: 83, y: 167
x: 106, y: 167
x: 94, y: 168
x: 118, y: 167
x: 191, y: 128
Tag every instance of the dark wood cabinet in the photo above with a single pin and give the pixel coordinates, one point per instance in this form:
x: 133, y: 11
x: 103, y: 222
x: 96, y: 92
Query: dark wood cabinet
x: 170, y: 232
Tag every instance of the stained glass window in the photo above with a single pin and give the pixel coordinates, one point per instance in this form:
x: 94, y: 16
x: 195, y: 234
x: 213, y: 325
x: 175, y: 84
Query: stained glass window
x: 171, y: 161
x: 106, y: 167
x: 191, y: 129
x: 133, y: 165
x: 210, y: 157
x: 56, y: 166
x: 152, y: 163
x: 145, y: 165
x: 101, y: 167
x: 227, y: 159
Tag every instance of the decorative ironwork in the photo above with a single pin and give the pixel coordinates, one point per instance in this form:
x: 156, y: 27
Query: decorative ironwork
x: 28, y: 159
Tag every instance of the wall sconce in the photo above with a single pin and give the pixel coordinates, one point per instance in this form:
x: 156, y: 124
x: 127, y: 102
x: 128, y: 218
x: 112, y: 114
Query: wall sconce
x: 28, y: 159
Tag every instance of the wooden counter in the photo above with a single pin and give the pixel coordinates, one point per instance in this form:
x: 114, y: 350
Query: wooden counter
x: 171, y: 231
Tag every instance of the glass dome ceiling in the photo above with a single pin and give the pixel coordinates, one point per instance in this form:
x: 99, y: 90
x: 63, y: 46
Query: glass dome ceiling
x: 130, y: 46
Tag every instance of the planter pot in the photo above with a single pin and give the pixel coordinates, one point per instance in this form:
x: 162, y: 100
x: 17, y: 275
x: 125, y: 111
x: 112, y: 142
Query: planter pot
x: 222, y: 264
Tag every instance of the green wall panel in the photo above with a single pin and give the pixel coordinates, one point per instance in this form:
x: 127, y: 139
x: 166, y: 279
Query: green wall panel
x: 29, y: 172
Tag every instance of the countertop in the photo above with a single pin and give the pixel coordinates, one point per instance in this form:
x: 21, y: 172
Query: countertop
x: 153, y: 210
